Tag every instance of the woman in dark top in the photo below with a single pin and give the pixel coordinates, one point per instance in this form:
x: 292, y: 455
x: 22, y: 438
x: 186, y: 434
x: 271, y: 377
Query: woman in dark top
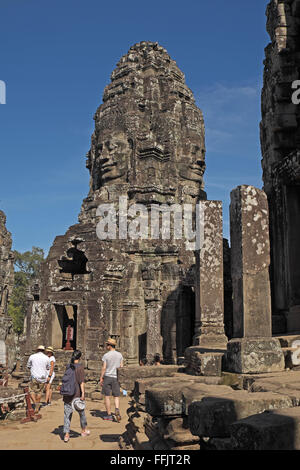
x: 68, y: 409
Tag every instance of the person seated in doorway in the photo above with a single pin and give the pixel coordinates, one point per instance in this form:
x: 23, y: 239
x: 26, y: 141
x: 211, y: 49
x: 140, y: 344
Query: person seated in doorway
x: 157, y: 360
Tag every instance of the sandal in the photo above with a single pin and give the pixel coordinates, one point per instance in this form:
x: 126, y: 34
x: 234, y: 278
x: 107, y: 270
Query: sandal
x: 85, y: 433
x: 66, y: 438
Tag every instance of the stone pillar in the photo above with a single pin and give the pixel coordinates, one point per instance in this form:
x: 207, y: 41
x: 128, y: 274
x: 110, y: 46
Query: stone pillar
x: 130, y: 340
x: 154, y: 339
x: 252, y: 350
x: 209, y: 324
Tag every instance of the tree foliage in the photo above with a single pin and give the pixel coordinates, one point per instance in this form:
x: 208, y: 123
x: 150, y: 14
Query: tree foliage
x: 27, y: 266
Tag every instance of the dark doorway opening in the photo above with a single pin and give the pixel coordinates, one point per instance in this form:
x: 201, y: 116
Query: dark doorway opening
x: 185, y: 320
x: 65, y: 316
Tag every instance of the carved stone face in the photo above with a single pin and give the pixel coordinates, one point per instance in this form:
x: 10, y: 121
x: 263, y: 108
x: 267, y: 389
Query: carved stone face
x: 113, y: 156
x: 192, y: 165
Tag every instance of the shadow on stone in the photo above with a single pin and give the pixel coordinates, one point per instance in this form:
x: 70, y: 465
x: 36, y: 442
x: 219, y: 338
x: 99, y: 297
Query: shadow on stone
x: 109, y: 437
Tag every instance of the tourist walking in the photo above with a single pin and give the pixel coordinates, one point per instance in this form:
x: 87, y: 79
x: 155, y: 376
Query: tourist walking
x: 50, y: 353
x: 112, y: 360
x: 73, y: 393
x: 39, y: 366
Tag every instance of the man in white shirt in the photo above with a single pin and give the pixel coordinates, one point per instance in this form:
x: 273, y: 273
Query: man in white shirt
x: 112, y: 360
x: 39, y: 366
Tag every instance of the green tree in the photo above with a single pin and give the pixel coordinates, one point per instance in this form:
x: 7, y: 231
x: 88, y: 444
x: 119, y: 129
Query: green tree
x: 27, y: 267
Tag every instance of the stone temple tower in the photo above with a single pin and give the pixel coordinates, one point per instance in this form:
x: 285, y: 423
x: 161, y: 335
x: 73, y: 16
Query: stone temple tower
x: 147, y: 147
x: 280, y: 143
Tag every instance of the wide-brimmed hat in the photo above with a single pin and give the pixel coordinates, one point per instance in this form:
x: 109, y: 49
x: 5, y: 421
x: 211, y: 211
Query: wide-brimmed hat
x: 111, y: 341
x: 41, y: 347
x: 78, y: 404
x: 50, y: 349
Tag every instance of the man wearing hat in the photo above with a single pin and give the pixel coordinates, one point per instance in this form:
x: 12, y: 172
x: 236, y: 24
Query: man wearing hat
x: 39, y: 366
x: 112, y: 360
x: 50, y: 353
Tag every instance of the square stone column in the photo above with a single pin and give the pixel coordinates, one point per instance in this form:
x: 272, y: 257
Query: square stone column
x: 209, y: 324
x: 253, y: 349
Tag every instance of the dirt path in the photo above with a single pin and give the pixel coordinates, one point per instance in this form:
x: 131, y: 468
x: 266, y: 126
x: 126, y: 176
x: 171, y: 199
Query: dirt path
x: 47, y: 432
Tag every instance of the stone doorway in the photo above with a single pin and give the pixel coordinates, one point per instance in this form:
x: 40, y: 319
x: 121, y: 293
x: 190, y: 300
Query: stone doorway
x: 62, y: 316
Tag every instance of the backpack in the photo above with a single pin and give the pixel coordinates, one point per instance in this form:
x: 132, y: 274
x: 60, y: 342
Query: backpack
x: 69, y: 382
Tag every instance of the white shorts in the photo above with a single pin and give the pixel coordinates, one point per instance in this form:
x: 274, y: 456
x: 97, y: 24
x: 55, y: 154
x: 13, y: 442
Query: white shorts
x: 51, y: 378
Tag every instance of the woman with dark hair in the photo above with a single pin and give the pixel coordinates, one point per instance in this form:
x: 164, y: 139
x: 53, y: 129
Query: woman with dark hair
x: 50, y: 353
x: 75, y: 401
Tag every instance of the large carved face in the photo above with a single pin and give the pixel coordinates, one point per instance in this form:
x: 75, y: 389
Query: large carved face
x: 113, y: 156
x: 192, y: 164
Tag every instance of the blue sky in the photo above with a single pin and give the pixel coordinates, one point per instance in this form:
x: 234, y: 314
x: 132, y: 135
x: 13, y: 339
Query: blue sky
x: 56, y: 59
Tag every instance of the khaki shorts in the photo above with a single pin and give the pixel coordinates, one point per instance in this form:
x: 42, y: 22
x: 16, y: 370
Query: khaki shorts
x: 36, y: 387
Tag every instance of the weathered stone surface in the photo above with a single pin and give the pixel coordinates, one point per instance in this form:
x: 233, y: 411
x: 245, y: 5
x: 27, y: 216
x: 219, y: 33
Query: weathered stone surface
x: 147, y: 148
x: 281, y: 159
x: 94, y: 365
x: 254, y: 355
x: 252, y: 350
x: 129, y: 375
x: 6, y: 286
x: 161, y: 400
x: 228, y: 308
x: 141, y: 385
x: 177, y: 433
x: 250, y: 260
x: 196, y: 392
x: 6, y: 266
x: 217, y: 443
x: 286, y: 383
x: 199, y: 361
x: 209, y: 325
x: 212, y: 416
x: 272, y: 430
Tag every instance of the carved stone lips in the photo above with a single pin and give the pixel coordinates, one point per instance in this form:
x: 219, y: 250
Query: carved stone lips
x: 196, y: 168
x: 107, y: 166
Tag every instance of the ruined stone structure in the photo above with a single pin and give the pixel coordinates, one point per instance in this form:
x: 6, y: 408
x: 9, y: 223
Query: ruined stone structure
x: 253, y: 350
x: 6, y: 266
x: 148, y: 148
x: 280, y: 143
x: 7, y: 338
x: 161, y: 294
